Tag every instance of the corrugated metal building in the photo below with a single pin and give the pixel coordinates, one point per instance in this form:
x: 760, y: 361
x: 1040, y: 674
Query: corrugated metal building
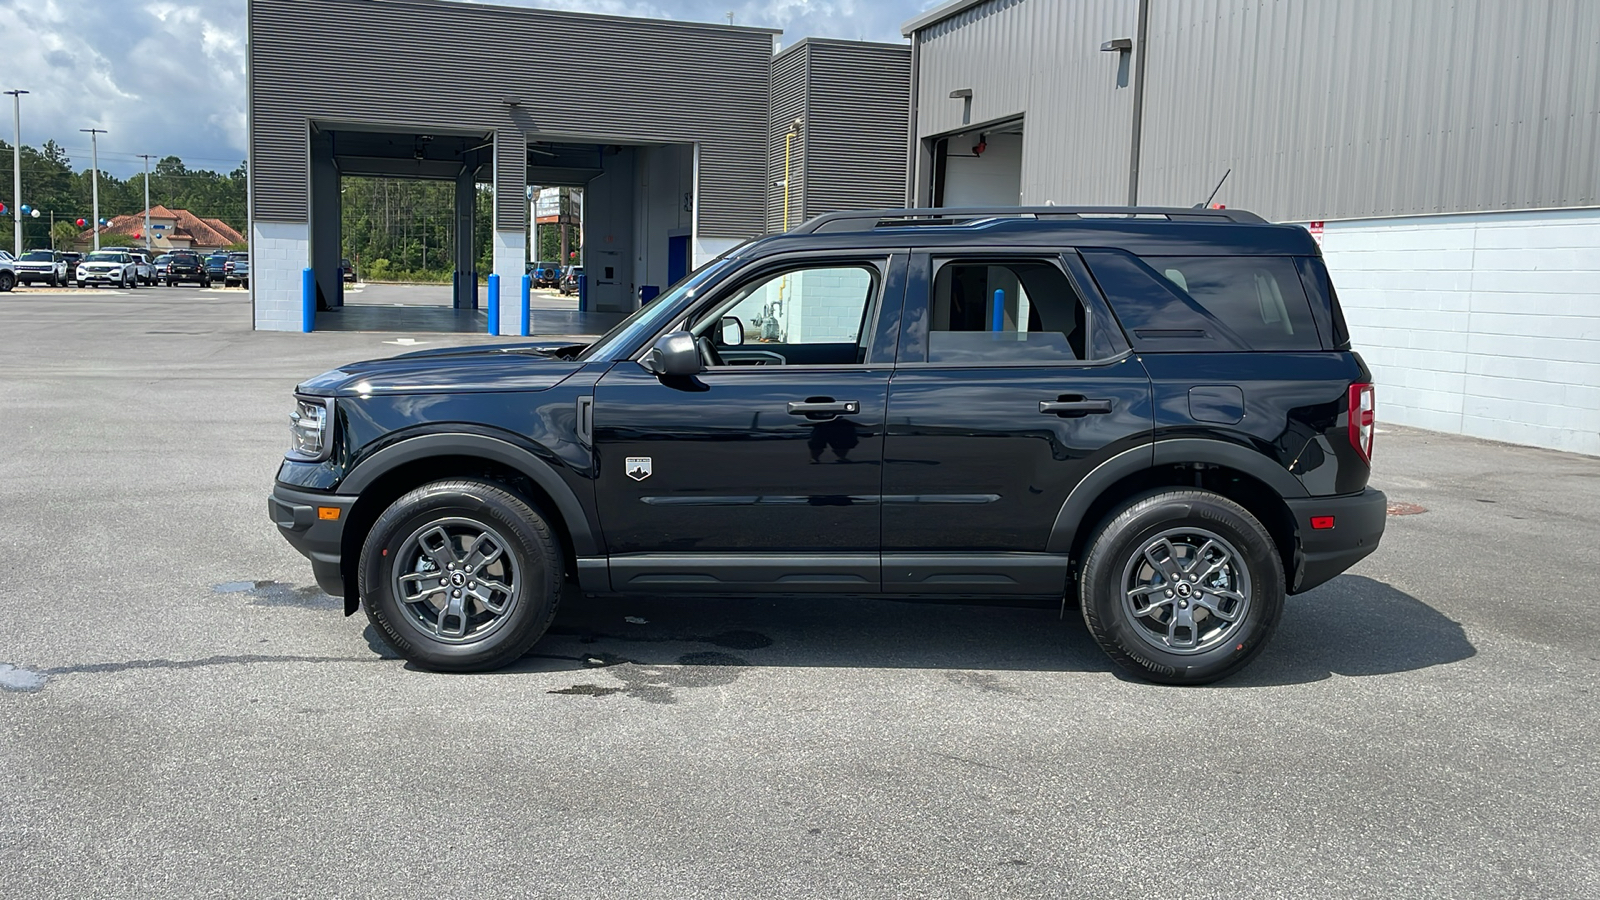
x: 1451, y: 147
x: 838, y: 128
x: 673, y: 150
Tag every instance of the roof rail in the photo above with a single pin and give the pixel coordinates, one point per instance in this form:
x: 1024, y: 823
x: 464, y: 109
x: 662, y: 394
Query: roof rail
x: 898, y: 218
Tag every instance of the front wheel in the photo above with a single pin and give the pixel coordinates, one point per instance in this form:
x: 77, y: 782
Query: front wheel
x: 1182, y: 587
x: 7, y: 282
x: 461, y: 576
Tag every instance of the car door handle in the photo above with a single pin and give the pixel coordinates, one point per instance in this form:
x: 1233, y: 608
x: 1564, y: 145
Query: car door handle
x: 824, y: 407
x: 1074, y: 408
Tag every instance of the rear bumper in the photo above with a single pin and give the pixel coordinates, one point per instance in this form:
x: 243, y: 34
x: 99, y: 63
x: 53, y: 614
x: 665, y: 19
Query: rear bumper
x: 313, y: 524
x: 1323, y: 553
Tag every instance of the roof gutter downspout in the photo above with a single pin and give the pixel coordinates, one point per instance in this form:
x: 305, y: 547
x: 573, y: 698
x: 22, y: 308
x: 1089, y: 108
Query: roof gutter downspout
x: 1139, y: 44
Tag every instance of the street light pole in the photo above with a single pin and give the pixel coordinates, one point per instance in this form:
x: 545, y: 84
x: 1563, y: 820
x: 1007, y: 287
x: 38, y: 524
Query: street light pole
x: 146, y: 158
x: 16, y: 168
x: 94, y: 151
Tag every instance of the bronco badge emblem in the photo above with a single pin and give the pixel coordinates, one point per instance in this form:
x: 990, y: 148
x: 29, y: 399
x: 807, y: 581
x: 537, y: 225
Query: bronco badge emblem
x: 638, y: 467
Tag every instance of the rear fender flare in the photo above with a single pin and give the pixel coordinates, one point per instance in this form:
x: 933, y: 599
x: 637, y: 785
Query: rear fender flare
x: 1174, y: 451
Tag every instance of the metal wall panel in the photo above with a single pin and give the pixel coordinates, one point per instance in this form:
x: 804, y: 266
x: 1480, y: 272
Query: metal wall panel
x: 858, y: 115
x: 789, y: 80
x: 427, y: 65
x: 1362, y: 108
x: 1038, y: 60
x: 1326, y: 110
x: 855, y: 101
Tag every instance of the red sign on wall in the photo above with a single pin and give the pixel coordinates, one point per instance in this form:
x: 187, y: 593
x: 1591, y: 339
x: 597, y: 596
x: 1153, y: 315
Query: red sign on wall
x: 1316, y: 232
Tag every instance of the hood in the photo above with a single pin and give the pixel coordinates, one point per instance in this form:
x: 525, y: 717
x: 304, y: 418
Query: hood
x: 496, y: 367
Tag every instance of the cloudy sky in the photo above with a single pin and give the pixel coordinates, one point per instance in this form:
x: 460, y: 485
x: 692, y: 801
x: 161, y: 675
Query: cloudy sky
x: 166, y: 77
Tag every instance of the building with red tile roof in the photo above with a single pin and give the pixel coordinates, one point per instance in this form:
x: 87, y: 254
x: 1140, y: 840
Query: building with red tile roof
x: 170, y: 229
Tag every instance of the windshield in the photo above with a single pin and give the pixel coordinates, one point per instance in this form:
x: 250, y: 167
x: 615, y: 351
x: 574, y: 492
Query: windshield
x: 103, y: 257
x: 35, y: 255
x: 647, y: 318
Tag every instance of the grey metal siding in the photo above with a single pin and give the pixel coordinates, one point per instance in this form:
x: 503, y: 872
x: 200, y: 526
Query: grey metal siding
x: 432, y: 65
x: 1362, y: 108
x: 1333, y: 109
x: 1038, y: 60
x: 857, y: 115
x: 788, y: 101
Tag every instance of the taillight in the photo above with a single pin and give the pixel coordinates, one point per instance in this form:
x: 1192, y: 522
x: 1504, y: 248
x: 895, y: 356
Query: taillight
x: 1363, y: 420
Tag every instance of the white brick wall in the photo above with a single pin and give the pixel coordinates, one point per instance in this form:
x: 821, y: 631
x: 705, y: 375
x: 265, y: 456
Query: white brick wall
x: 280, y: 252
x: 1485, y: 324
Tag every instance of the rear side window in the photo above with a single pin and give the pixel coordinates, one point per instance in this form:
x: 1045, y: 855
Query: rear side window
x: 1259, y: 297
x: 1000, y: 311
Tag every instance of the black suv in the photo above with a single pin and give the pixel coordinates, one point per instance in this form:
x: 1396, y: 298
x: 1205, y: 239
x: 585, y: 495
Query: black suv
x: 182, y: 266
x: 1154, y: 412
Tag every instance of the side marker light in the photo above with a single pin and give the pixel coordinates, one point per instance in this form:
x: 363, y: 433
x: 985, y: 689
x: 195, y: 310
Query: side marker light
x: 327, y: 513
x: 1322, y: 523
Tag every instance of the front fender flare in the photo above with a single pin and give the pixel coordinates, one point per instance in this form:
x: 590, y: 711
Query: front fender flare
x: 585, y: 540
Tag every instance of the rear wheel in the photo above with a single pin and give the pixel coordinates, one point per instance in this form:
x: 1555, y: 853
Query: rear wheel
x: 461, y: 576
x: 1182, y: 587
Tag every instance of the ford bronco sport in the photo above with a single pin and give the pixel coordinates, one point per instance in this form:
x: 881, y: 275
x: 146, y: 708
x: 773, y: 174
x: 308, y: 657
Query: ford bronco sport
x: 1155, y: 412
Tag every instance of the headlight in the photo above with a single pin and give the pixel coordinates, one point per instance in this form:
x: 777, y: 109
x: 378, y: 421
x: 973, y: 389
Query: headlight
x: 308, y: 430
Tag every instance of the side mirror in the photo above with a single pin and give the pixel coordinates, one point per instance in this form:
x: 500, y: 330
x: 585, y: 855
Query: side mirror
x: 732, y: 331
x: 675, y: 354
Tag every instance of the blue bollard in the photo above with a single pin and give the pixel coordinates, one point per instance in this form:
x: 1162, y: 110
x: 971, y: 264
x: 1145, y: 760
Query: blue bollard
x: 583, y: 293
x: 308, y: 300
x: 997, y: 317
x: 494, y: 305
x: 527, y: 315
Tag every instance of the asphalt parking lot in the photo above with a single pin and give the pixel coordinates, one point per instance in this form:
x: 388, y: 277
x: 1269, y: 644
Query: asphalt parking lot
x: 184, y: 714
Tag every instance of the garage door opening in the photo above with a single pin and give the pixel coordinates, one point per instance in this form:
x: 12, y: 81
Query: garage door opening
x: 981, y: 167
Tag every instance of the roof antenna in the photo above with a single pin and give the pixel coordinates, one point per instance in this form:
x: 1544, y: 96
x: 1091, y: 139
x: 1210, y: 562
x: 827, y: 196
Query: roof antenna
x: 1214, y: 190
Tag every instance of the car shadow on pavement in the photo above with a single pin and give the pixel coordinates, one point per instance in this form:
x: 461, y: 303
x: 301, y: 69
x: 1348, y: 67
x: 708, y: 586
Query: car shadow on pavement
x: 1352, y: 626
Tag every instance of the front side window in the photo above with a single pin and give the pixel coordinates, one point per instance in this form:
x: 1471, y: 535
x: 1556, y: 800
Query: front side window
x: 1004, y: 311
x: 817, y: 315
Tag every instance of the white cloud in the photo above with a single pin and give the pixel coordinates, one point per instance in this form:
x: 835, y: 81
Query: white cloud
x: 168, y: 77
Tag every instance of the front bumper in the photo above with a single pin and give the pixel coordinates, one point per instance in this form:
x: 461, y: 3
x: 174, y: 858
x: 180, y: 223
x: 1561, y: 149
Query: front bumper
x: 313, y: 523
x: 100, y: 278
x: 1323, y: 553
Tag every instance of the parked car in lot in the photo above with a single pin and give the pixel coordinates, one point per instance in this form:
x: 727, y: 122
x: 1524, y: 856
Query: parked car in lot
x: 160, y: 263
x: 216, y: 265
x: 347, y: 271
x: 1159, y: 417
x: 42, y: 265
x: 546, y: 274
x: 114, y: 267
x: 143, y: 267
x: 185, y: 267
x: 8, y: 272
x: 569, y: 280
x: 236, y: 272
x: 71, y: 258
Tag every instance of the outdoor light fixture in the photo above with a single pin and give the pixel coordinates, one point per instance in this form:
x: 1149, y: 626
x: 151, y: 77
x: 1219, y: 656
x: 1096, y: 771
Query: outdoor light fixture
x: 1120, y: 45
x: 965, y: 96
x: 511, y: 100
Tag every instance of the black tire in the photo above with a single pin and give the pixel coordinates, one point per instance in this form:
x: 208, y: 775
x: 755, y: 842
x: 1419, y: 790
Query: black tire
x: 1196, y: 526
x: 7, y: 282
x: 530, y: 557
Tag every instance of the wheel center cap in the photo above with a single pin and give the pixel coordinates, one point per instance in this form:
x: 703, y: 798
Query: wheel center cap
x: 1184, y: 590
x: 458, y: 578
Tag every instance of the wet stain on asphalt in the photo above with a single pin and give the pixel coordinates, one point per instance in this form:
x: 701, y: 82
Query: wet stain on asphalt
x: 274, y: 593
x: 655, y: 683
x: 16, y: 679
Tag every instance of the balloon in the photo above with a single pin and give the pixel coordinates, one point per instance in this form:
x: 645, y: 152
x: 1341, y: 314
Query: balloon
x: 35, y: 214
x: 26, y: 209
x: 80, y: 223
x: 102, y: 221
x: 2, y: 208
x: 137, y: 235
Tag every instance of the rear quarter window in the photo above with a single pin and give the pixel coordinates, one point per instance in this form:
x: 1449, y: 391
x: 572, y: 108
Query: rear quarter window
x: 1259, y: 297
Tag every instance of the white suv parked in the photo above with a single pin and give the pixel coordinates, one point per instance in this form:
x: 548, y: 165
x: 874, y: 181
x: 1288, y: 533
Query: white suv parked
x: 113, y: 267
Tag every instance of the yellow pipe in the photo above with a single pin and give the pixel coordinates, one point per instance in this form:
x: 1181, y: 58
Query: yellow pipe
x: 787, y: 140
